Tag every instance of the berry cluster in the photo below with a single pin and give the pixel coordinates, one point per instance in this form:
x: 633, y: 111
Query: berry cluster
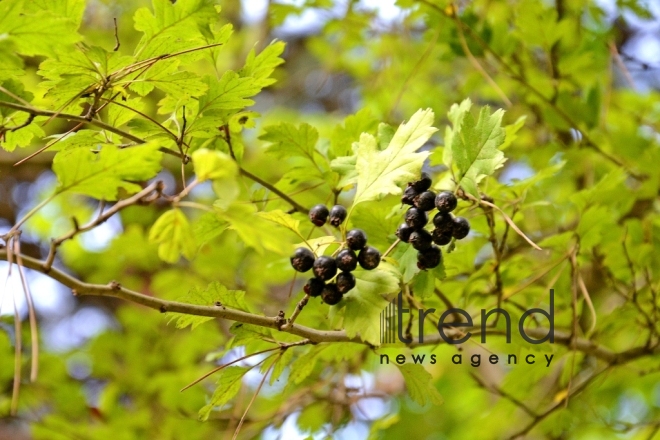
x: 325, y: 268
x: 446, y: 225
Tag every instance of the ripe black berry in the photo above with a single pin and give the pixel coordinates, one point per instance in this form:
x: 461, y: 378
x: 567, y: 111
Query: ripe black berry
x: 325, y: 267
x: 356, y: 239
x: 461, y: 228
x: 369, y: 258
x: 331, y: 294
x: 425, y: 201
x: 408, y: 196
x: 441, y: 237
x: 423, y: 184
x: 429, y: 258
x: 443, y: 221
x: 314, y: 287
x: 302, y: 259
x: 346, y: 260
x: 421, y: 239
x: 404, y: 232
x: 318, y: 215
x: 337, y: 215
x: 416, y: 218
x: 345, y: 282
x: 446, y: 201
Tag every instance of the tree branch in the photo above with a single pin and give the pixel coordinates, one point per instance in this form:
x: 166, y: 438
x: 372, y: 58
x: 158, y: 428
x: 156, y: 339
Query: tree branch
x: 115, y: 290
x: 39, y: 112
x: 142, y: 196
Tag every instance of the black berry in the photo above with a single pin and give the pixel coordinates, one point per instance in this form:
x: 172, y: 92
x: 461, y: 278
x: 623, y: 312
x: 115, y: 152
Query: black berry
x: 446, y: 201
x: 441, y: 237
x: 318, y: 215
x: 302, y: 259
x: 331, y: 294
x: 345, y: 282
x: 461, y: 228
x: 325, y: 267
x: 369, y: 258
x: 404, y: 232
x: 421, y: 239
x: 337, y: 215
x: 356, y: 239
x: 314, y: 287
x: 408, y: 197
x: 423, y: 184
x: 425, y: 201
x: 444, y: 222
x: 429, y: 258
x: 416, y: 218
x: 346, y: 260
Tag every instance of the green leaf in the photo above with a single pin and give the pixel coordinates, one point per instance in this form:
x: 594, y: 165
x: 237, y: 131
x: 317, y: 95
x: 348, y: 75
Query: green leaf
x: 419, y: 383
x: 304, y: 365
x: 253, y: 230
x: 281, y: 218
x: 456, y: 114
x: 230, y: 92
x: 214, y: 293
x: 383, y: 172
x: 343, y: 136
x: 281, y: 362
x: 424, y: 284
x: 363, y: 305
x: 173, y: 26
x: 118, y: 115
x: 207, y: 227
x: 38, y: 29
x: 165, y: 76
x: 213, y: 164
x: 22, y: 137
x: 511, y: 132
x: 101, y: 175
x: 288, y: 140
x: 318, y: 245
x: 260, y: 67
x: 244, y: 333
x: 174, y: 236
x: 345, y: 167
x: 406, y: 256
x: 475, y: 148
x: 228, y: 385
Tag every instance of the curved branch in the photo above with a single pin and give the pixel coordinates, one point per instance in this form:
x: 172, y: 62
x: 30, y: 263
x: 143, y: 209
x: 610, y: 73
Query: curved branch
x: 297, y: 206
x: 115, y: 290
x: 39, y: 112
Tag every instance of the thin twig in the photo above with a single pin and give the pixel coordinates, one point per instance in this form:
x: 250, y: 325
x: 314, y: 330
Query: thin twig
x: 301, y: 304
x: 476, y: 65
x: 506, y: 218
x: 117, y: 44
x: 256, y: 393
x: 500, y: 392
x: 96, y: 122
x: 391, y: 248
x: 619, y: 62
x: 34, y: 331
x: 146, y: 195
x: 223, y: 366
